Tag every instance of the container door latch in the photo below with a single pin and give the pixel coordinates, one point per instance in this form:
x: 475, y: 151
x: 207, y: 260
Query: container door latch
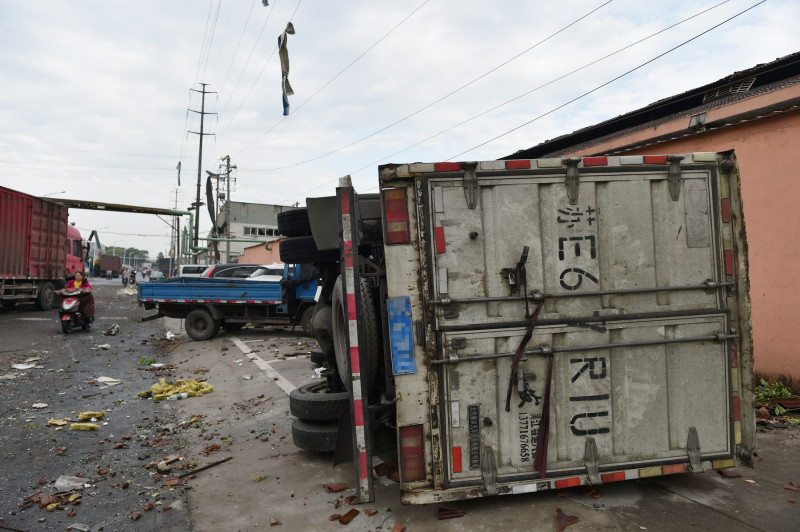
x: 591, y: 459
x: 674, y: 176
x: 693, y: 449
x: 470, y: 184
x: 572, y: 178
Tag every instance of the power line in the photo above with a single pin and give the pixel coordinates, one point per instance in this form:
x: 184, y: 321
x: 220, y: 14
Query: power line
x: 451, y: 93
x: 324, y: 86
x: 551, y: 111
x: 238, y: 44
x: 203, y: 45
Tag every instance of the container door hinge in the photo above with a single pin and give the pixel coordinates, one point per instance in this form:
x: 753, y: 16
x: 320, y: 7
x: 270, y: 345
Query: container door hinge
x: 489, y: 471
x: 470, y: 184
x: 693, y: 449
x: 572, y: 178
x: 674, y: 175
x: 591, y: 460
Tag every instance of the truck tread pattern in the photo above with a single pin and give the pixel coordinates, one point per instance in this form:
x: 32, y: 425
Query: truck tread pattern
x: 294, y: 223
x: 313, y: 402
x: 314, y: 436
x: 302, y: 249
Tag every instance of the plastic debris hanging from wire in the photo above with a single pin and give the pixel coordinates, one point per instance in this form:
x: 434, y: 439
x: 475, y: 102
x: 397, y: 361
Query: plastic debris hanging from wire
x: 283, y: 53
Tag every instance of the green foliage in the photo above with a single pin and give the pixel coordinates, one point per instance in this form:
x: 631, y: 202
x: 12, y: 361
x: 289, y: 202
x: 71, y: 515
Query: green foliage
x: 146, y: 361
x: 767, y: 391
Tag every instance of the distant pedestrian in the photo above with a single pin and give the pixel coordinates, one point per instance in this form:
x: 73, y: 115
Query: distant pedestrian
x: 108, y: 274
x: 133, y: 277
x: 124, y: 276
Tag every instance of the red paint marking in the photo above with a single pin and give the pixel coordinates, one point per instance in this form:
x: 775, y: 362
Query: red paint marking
x: 734, y: 356
x: 345, y: 203
x: 728, y: 262
x: 595, y: 161
x: 737, y: 413
x: 613, y: 477
x: 456, y: 459
x: 348, y: 247
x: 362, y: 466
x: 358, y: 409
x: 351, y: 306
x: 726, y: 210
x: 568, y: 483
x: 440, y: 239
x: 672, y: 469
x: 446, y: 167
x: 355, y: 360
x: 655, y: 159
x: 348, y: 260
x: 518, y: 164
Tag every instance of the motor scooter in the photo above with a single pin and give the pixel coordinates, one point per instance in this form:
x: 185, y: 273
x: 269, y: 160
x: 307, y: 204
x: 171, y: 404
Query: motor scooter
x: 69, y: 313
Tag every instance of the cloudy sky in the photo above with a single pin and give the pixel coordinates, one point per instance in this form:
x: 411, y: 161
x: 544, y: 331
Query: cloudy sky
x: 94, y: 94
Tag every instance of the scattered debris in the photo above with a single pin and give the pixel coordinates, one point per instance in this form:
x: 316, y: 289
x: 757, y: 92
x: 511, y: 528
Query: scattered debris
x: 112, y: 331
x: 729, y: 473
x: 90, y: 416
x: 563, y: 520
x: 370, y: 511
x: 334, y: 517
x: 247, y: 377
x: 273, y: 521
x: 108, y: 381
x: 259, y: 478
x: 40, y: 405
x: 446, y: 513
x: 24, y: 366
x: 164, y: 389
x: 333, y: 487
x: 399, y: 527
x: 84, y: 426
x: 104, y: 347
x: 349, y: 516
x: 68, y: 483
x: 209, y: 466
x: 169, y: 335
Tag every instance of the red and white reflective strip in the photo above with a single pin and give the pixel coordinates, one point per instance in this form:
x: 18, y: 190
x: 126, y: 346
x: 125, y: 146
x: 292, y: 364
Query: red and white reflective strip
x: 364, y: 469
x: 227, y: 301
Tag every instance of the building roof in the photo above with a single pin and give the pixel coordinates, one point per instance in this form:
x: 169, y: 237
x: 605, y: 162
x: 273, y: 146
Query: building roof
x: 763, y: 78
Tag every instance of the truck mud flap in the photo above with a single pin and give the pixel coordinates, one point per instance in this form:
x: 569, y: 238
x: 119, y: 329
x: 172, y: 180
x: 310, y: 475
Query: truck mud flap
x: 150, y: 318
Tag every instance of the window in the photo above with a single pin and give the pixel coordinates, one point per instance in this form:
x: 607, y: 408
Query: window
x: 246, y: 230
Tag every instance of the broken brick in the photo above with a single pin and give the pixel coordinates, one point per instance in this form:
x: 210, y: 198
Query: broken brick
x: 791, y: 488
x: 333, y: 487
x: 563, y: 520
x: 370, y: 511
x: 136, y: 516
x: 399, y: 527
x: 273, y: 521
x: 446, y: 513
x: 149, y: 507
x: 334, y: 517
x: 349, y: 516
x: 728, y: 473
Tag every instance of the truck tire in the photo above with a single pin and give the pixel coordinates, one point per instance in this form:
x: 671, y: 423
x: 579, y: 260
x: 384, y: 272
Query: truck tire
x: 294, y: 223
x: 305, y: 320
x: 313, y: 402
x: 47, y: 297
x: 302, y: 249
x: 201, y: 325
x: 317, y: 436
x: 370, y: 348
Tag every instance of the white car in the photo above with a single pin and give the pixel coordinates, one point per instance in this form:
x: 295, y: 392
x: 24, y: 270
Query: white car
x: 267, y: 272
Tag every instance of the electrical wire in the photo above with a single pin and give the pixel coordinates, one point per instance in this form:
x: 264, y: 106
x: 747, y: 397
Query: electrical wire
x: 449, y: 94
x: 609, y: 82
x: 238, y: 45
x: 334, y: 78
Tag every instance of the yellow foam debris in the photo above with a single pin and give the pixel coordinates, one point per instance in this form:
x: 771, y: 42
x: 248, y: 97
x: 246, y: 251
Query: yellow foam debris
x: 164, y: 389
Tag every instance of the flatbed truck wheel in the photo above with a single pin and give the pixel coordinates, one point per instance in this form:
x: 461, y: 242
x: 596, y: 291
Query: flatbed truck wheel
x: 370, y: 348
x: 318, y: 436
x: 47, y: 297
x: 314, y: 402
x: 201, y: 325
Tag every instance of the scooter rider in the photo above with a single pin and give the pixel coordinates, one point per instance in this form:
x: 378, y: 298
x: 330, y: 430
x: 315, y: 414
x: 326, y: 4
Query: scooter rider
x: 80, y: 282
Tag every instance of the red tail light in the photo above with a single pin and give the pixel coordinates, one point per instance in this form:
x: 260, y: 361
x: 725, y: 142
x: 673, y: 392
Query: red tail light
x: 412, y: 454
x: 395, y: 214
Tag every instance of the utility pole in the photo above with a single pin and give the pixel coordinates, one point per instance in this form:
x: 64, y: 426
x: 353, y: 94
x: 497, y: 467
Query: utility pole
x: 197, y: 203
x: 228, y: 169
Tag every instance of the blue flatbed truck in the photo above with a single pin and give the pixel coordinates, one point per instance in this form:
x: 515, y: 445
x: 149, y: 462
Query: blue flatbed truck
x: 211, y: 304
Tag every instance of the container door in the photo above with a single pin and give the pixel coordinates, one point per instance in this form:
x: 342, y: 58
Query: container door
x: 634, y: 329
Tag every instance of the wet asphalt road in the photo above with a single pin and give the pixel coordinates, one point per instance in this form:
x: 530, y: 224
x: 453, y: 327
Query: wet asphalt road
x: 110, y: 460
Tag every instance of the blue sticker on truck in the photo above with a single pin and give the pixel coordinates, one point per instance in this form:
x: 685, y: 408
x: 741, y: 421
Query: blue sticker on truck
x: 401, y: 336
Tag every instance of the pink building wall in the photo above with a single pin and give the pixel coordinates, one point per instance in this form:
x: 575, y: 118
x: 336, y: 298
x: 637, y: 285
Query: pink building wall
x: 765, y: 150
x: 259, y: 254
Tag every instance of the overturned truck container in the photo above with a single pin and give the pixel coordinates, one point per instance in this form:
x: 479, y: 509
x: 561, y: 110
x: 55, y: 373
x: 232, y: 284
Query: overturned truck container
x: 527, y: 325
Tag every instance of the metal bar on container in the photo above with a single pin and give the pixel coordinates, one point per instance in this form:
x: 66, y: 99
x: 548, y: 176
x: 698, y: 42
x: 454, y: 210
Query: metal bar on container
x: 546, y: 350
